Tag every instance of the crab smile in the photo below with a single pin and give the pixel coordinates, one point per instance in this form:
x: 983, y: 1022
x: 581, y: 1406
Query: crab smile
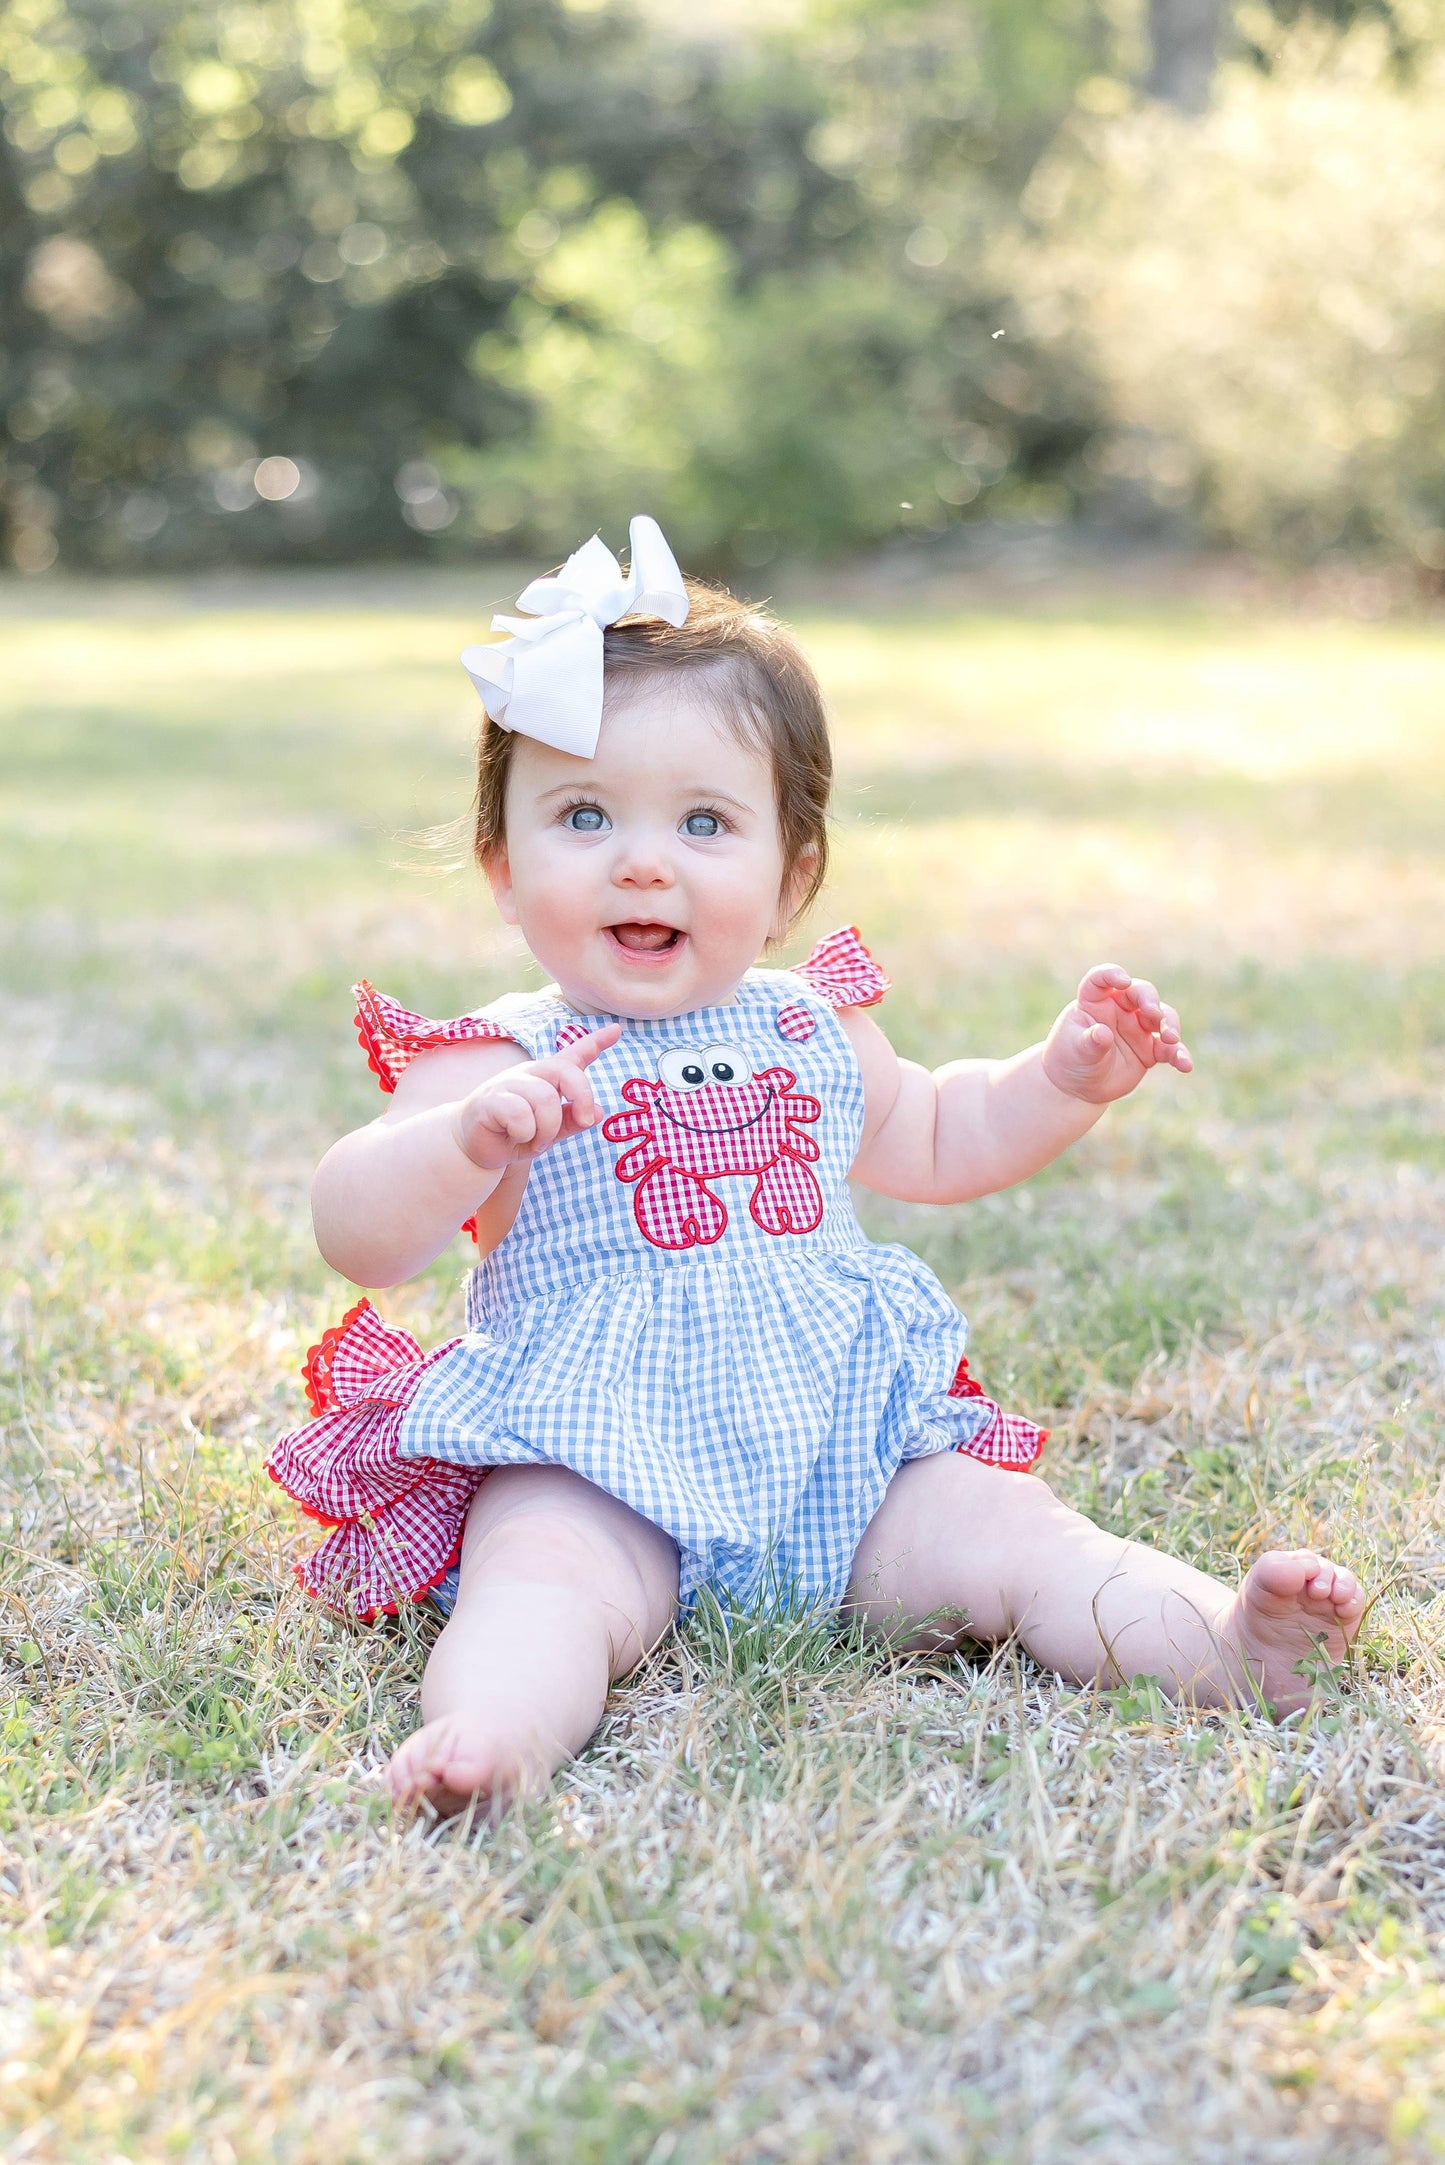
x: 729, y: 1127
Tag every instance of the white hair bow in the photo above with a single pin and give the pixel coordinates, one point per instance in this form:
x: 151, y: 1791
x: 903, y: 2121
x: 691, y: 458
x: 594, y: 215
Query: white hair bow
x: 546, y: 680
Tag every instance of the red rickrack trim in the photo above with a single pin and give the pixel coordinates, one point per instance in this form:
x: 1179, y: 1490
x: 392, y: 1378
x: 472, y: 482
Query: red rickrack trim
x: 316, y: 1371
x: 965, y: 1385
x: 366, y: 1035
x: 387, y: 1608
x: 1008, y: 1440
x: 391, y: 1045
x: 307, y: 1510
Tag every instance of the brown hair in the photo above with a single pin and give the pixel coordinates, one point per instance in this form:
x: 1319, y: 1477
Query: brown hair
x: 758, y: 676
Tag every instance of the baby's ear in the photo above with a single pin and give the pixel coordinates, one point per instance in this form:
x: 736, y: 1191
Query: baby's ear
x: 795, y: 885
x: 498, y: 872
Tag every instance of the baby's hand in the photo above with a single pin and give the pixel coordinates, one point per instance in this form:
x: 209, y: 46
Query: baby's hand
x: 524, y: 1110
x: 1103, y: 1045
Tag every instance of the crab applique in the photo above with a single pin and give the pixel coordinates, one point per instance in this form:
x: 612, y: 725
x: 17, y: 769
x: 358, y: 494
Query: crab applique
x: 709, y: 1116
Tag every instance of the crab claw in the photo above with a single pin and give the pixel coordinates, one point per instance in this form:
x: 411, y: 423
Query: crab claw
x: 787, y: 1199
x: 673, y: 1210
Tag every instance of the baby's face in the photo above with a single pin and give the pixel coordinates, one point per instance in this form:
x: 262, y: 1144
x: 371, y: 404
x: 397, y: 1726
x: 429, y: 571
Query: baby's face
x: 646, y: 879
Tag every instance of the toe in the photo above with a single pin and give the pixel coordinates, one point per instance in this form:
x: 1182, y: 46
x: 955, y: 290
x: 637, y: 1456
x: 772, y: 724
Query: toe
x: 418, y: 1768
x: 1282, y: 1575
x: 405, y: 1779
x: 1336, y: 1589
x: 1349, y: 1599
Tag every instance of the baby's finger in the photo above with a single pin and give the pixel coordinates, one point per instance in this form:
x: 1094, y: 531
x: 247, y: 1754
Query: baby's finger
x: 509, y: 1113
x: 1168, y: 1024
x: 564, y: 1071
x: 1146, y: 1003
x: 547, y: 1107
x: 574, y: 1087
x: 1105, y: 979
x: 586, y: 1049
x: 1096, y: 1040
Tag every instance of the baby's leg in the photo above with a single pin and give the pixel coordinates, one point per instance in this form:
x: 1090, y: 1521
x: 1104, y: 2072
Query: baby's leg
x: 960, y: 1550
x: 563, y: 1589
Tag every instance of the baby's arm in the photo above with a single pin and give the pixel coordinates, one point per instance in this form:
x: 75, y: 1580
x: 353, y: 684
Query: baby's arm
x: 391, y: 1195
x: 976, y: 1126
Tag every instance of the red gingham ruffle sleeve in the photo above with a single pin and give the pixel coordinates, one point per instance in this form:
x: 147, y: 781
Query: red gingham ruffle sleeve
x: 392, y: 1036
x: 842, y: 972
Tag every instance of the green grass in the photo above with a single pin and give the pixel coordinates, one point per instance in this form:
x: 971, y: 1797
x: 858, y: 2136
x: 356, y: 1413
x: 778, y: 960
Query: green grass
x: 797, y: 1901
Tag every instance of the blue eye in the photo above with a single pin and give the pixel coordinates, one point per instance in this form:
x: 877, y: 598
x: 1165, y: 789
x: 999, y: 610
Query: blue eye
x: 702, y: 825
x: 586, y: 819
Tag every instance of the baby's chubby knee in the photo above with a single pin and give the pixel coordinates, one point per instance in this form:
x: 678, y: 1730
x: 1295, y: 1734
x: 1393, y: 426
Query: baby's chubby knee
x: 561, y: 1534
x: 1026, y: 1503
x: 546, y: 1546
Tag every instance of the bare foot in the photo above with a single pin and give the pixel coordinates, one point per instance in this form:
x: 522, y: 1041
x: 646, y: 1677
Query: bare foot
x: 1294, y: 1607
x: 462, y: 1759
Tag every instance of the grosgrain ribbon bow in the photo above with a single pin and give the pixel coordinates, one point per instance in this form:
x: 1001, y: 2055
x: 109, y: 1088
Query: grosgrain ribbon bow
x: 546, y: 680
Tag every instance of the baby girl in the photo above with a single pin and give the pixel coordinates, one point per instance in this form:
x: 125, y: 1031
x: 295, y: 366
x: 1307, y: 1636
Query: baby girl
x: 685, y: 1366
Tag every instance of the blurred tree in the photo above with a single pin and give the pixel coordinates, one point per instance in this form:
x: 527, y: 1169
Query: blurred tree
x: 864, y: 374
x: 937, y: 115
x: 1183, y: 48
x: 249, y: 248
x: 1186, y: 36
x: 1413, y: 27
x: 337, y: 278
x: 1280, y: 376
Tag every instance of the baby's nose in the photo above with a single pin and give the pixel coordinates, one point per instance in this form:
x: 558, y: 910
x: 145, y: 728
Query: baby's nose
x: 644, y: 863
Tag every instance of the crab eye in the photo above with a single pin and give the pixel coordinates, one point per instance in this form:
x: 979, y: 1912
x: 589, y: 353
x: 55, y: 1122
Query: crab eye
x: 683, y: 1068
x: 725, y: 1064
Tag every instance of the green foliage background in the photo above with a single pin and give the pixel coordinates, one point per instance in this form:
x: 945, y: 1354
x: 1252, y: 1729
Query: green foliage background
x: 329, y: 279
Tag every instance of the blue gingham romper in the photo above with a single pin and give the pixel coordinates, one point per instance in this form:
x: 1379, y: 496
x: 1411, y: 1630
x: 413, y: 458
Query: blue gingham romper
x: 687, y: 1313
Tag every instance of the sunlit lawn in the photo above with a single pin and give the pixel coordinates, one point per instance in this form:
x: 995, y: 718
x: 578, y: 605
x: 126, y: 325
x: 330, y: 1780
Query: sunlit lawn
x: 795, y: 1903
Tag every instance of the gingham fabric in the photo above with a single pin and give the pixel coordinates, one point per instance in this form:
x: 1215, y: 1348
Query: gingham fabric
x: 398, y: 1521
x: 843, y: 972
x: 686, y: 1312
x: 1005, y: 1439
x: 392, y: 1036
x: 796, y: 1022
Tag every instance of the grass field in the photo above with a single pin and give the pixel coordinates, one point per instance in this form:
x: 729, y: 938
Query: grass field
x: 796, y: 1902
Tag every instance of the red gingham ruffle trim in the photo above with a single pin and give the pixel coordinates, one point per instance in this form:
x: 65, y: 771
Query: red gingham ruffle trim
x: 391, y: 1035
x: 842, y: 972
x: 396, y: 1522
x: 1006, y: 1439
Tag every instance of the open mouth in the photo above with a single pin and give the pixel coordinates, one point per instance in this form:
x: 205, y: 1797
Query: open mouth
x: 643, y: 940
